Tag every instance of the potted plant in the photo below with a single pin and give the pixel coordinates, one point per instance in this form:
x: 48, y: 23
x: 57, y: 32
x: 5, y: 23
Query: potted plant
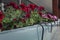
x: 18, y: 16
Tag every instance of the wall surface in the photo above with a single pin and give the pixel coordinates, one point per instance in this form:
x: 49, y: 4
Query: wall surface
x: 7, y: 1
x: 46, y: 3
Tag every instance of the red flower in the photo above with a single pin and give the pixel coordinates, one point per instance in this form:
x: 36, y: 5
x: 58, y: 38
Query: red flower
x: 26, y: 9
x: 22, y: 20
x: 15, y: 26
x: 1, y: 16
x: 14, y: 19
x: 49, y: 16
x: 40, y: 14
x: 27, y: 15
x: 22, y: 5
x: 40, y: 8
x: 32, y: 6
x: 13, y: 4
x: 1, y: 25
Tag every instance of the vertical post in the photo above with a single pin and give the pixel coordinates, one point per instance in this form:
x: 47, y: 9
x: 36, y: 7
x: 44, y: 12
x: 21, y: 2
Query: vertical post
x: 20, y: 1
x: 42, y: 31
x: 51, y: 27
x: 2, y: 6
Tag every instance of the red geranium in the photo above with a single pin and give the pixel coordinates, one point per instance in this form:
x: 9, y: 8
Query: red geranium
x: 22, y: 20
x: 1, y: 16
x: 27, y: 15
x: 14, y: 19
x: 13, y: 4
x: 16, y: 6
x: 40, y: 14
x: 26, y: 9
x: 32, y: 6
x: 40, y: 8
x: 22, y: 5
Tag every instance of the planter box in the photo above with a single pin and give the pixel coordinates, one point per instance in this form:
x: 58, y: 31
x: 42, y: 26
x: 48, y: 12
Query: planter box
x: 27, y: 33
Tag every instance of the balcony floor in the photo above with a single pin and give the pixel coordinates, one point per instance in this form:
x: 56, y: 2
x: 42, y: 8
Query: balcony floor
x: 56, y: 35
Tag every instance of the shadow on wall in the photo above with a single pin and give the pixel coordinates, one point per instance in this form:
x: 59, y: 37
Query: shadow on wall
x: 7, y: 1
x: 46, y: 3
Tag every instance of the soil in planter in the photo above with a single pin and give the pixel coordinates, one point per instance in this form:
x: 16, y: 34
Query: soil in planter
x: 2, y: 29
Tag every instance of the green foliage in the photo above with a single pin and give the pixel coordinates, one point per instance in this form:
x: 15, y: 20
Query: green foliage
x: 16, y: 18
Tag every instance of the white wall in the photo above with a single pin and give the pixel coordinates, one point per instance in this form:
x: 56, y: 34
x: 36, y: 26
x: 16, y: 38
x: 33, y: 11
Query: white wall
x: 46, y: 3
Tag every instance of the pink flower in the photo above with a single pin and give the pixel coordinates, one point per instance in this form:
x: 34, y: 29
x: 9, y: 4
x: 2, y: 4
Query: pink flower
x: 49, y: 16
x: 54, y: 18
x: 40, y: 8
x: 43, y: 15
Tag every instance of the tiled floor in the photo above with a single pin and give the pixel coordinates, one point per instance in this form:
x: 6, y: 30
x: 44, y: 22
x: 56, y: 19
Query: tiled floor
x: 56, y: 35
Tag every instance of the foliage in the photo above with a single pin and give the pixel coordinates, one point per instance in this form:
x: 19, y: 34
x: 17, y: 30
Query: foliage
x: 17, y: 16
